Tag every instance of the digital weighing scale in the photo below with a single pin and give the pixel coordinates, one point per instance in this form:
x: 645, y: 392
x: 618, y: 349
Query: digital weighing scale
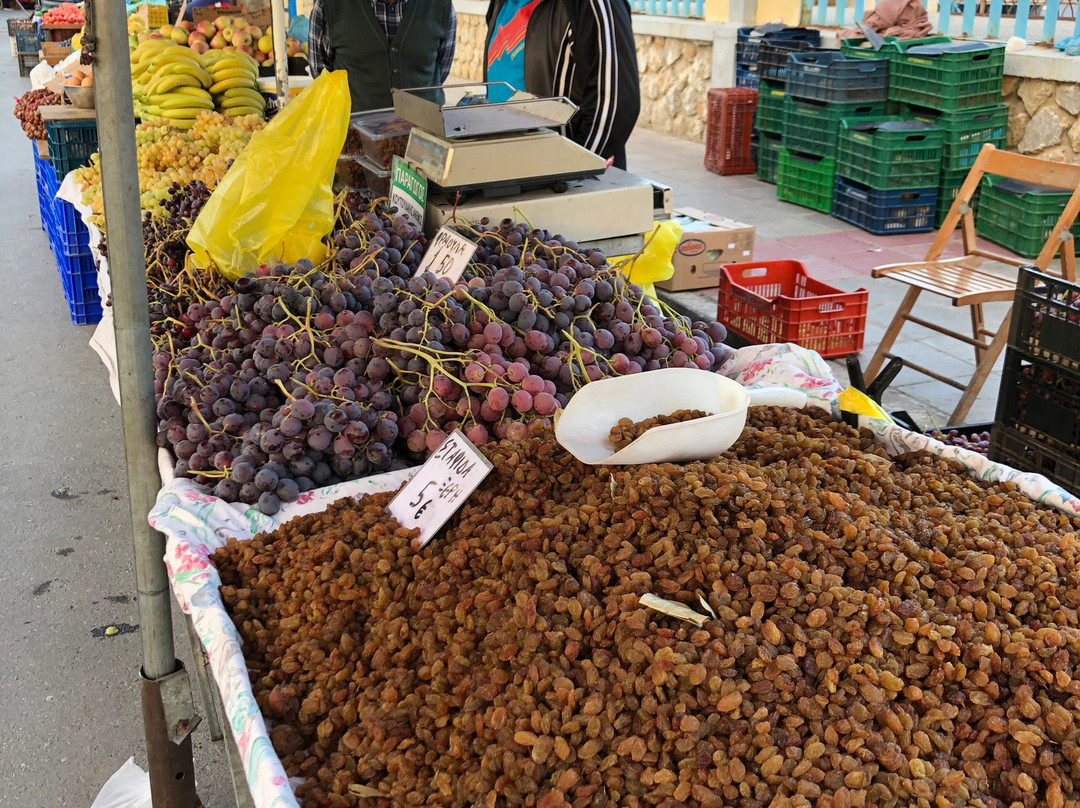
x: 505, y: 159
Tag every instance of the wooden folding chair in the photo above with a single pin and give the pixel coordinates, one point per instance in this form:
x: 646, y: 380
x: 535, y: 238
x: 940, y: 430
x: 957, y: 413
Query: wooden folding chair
x: 961, y: 280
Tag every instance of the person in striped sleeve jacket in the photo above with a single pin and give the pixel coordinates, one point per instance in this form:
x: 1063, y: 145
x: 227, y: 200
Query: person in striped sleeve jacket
x: 580, y: 49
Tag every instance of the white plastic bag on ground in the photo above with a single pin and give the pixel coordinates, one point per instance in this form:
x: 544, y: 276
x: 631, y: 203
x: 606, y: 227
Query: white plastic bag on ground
x: 128, y: 788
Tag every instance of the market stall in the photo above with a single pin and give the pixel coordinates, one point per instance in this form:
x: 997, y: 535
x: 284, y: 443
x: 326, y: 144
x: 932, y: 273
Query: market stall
x: 815, y: 614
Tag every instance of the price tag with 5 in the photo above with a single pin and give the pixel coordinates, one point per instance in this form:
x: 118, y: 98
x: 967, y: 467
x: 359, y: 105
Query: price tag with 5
x: 440, y: 487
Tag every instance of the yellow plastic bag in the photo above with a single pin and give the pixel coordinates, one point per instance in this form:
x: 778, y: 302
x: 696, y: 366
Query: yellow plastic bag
x: 277, y: 200
x: 851, y: 400
x: 654, y: 262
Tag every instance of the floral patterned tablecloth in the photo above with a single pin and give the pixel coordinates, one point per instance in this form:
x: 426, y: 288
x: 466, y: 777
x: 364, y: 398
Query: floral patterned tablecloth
x: 196, y: 525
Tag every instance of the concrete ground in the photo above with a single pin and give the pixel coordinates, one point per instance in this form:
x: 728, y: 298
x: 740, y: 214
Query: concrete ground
x: 69, y: 714
x: 839, y: 254
x: 69, y: 709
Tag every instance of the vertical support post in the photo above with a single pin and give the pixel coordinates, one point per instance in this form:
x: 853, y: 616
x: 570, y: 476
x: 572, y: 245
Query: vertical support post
x: 993, y: 24
x: 839, y: 13
x: 281, y: 61
x: 1050, y: 16
x: 172, y: 780
x: 744, y: 12
x: 945, y: 15
x: 1023, y: 11
x: 821, y: 12
x: 969, y: 17
x: 860, y: 9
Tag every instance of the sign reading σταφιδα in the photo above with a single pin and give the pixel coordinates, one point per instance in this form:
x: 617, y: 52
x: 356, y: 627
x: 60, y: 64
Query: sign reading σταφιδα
x: 440, y: 487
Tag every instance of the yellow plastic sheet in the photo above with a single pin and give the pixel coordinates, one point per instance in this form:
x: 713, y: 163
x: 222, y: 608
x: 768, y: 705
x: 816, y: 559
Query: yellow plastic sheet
x: 277, y: 202
x: 654, y: 262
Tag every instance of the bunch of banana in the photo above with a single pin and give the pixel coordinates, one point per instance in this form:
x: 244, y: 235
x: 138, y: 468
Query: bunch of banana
x: 174, y: 87
x: 235, y: 87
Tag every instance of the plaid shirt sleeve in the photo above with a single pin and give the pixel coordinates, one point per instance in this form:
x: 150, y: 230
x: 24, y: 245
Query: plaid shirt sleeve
x: 319, y: 52
x: 446, y: 49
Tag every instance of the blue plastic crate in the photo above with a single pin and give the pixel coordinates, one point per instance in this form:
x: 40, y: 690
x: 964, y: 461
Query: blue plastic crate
x: 885, y: 213
x: 830, y: 76
x: 749, y: 40
x: 27, y: 42
x: 79, y: 277
x: 71, y: 234
x: 746, y: 77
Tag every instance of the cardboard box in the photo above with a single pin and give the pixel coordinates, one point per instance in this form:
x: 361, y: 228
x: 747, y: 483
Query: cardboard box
x: 54, y: 52
x: 260, y: 17
x: 708, y: 241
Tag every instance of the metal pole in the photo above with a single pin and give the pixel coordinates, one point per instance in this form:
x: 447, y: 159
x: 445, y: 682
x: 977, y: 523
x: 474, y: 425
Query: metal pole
x: 167, y: 720
x: 281, y: 59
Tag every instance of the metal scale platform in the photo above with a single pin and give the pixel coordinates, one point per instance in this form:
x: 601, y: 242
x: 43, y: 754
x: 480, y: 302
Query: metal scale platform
x: 506, y: 159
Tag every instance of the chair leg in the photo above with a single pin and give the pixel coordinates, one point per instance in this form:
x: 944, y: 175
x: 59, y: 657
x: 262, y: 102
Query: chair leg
x: 977, y: 326
x: 986, y: 364
x: 891, y: 333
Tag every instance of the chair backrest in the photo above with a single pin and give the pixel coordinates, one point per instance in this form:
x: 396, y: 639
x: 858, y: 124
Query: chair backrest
x: 991, y: 160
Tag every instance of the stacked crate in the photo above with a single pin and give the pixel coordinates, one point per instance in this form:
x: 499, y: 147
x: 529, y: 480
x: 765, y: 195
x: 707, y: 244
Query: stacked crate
x: 749, y: 41
x: 769, y: 121
x: 1021, y: 215
x: 70, y: 243
x: 887, y: 175
x: 821, y: 90
x: 25, y: 36
x: 1037, y: 426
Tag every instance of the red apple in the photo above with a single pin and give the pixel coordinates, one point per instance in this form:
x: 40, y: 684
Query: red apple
x: 218, y: 42
x: 241, y: 38
x: 199, y: 46
x: 246, y: 49
x: 207, y: 29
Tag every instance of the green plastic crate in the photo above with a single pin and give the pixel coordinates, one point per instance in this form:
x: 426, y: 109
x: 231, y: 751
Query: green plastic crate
x: 859, y: 48
x: 965, y: 131
x: 770, y: 108
x: 806, y: 180
x: 948, y: 187
x: 1020, y: 216
x: 813, y: 127
x: 768, y: 157
x: 908, y: 156
x: 949, y: 81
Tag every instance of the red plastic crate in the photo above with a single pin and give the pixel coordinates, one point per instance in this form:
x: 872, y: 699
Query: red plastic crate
x: 729, y: 130
x: 777, y: 301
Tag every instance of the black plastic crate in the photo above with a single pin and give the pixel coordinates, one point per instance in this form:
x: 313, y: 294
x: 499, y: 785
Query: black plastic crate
x: 71, y: 143
x: 1041, y: 400
x: 1046, y: 318
x: 749, y: 39
x: 831, y: 77
x: 1024, y: 453
x: 773, y: 56
x: 885, y: 213
x: 27, y: 62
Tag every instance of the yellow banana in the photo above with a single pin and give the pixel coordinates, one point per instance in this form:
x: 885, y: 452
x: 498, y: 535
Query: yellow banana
x: 244, y: 92
x: 194, y: 92
x: 220, y: 74
x: 214, y: 56
x: 228, y: 84
x: 228, y: 108
x: 173, y: 101
x: 182, y: 123
x: 184, y: 69
x: 240, y: 112
x: 182, y: 113
x: 166, y: 83
x: 169, y: 55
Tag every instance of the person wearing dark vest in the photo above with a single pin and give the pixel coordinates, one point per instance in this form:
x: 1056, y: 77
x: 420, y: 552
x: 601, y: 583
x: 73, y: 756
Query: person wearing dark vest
x: 580, y: 49
x: 382, y: 45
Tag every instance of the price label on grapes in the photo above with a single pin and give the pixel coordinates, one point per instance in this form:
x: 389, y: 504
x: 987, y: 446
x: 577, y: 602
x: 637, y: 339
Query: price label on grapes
x: 447, y: 255
x: 408, y: 190
x: 440, y: 487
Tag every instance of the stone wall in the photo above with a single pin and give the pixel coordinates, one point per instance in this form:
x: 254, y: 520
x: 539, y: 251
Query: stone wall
x: 1043, y: 118
x: 469, y: 50
x: 675, y: 81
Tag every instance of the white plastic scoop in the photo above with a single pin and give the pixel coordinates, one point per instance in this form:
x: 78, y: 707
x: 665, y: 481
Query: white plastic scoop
x: 584, y: 426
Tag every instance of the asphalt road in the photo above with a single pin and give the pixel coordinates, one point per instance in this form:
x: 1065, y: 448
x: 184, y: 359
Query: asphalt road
x: 69, y: 696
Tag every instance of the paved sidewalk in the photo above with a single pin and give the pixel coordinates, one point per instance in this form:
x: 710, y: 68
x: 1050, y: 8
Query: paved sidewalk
x: 839, y: 254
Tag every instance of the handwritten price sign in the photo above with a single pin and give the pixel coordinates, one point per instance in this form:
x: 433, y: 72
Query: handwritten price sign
x: 447, y: 255
x: 441, y: 486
